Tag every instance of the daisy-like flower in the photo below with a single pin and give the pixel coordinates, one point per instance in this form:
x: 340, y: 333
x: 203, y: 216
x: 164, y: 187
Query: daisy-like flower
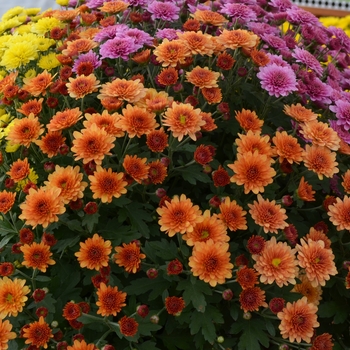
x: 92, y: 143
x: 170, y: 53
x: 309, y: 60
x: 82, y: 85
x: 317, y: 261
x: 81, y: 345
x: 106, y: 184
x: 128, y: 326
x: 298, y: 320
x: 248, y: 120
x: 321, y: 160
x: 157, y: 172
x: 37, y: 256
x: 238, y: 12
x: 64, y: 119
x: 320, y: 134
x: 342, y: 112
x: 155, y: 101
x: 19, y: 170
x: 168, y: 76
x: 174, y: 305
x: 38, y: 333
x: 12, y: 296
x: 276, y: 263
x: 179, y: 215
x: 129, y: 256
x: 42, y: 207
x: 80, y: 45
x: 247, y: 277
x: 252, y: 298
x: 313, y: 294
x: 210, y: 261
x: 39, y: 84
x: 212, y: 95
x: 209, y: 17
x: 253, y: 170
x: 225, y: 61
x: 5, y: 334
x: 71, y: 311
x: 197, y: 42
x: 287, y: 148
x: 253, y: 141
x: 110, y: 300
x: 220, y: 177
x: 322, y: 342
x: 276, y: 80
x: 318, y: 235
x: 299, y: 113
x: 346, y: 181
x: 119, y: 47
x: 136, y: 167
x: 157, y: 140
x: 50, y: 143
x: 203, y: 77
x: 25, y: 131
x: 90, y: 59
x: 256, y: 244
x: 32, y: 106
x: 269, y: 215
x: 114, y: 6
x: 69, y: 181
x: 182, y: 120
x: 238, y: 38
x: 168, y: 11
x: 210, y: 228
x: 108, y: 122
x: 305, y: 191
x: 7, y: 199
x: 94, y: 253
x: 136, y: 121
x: 232, y: 215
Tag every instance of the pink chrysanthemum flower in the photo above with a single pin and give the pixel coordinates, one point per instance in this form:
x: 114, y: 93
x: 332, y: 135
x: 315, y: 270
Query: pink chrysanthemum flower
x: 165, y: 11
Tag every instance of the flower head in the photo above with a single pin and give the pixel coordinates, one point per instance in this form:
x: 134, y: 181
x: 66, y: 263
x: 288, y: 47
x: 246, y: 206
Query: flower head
x: 202, y: 77
x: 7, y: 199
x: 37, y: 256
x: 19, y: 170
x: 305, y: 191
x: 322, y: 342
x: 81, y: 345
x: 174, y: 305
x: 248, y: 120
x: 129, y: 256
x: 64, y: 119
x: 252, y: 298
x: 5, y: 334
x: 313, y: 294
x: 128, y: 326
x: 166, y: 11
x: 287, y: 148
x: 136, y: 167
x: 38, y: 333
x: 82, y: 85
x: 110, y: 300
x: 339, y: 213
x: 232, y: 215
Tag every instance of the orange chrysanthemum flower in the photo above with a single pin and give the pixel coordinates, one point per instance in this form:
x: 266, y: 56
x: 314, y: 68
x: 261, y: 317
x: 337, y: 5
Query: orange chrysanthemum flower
x: 269, y: 215
x: 248, y: 120
x: 253, y: 170
x: 114, y: 6
x: 12, y: 296
x: 157, y: 140
x: 212, y: 95
x: 313, y: 294
x: 203, y: 77
x: 320, y: 134
x: 339, y: 213
x: 168, y: 76
x: 38, y: 333
x: 260, y: 58
x: 322, y: 342
x: 137, y: 121
x: 209, y: 17
x: 179, y: 215
x: 170, y: 53
x: 298, y: 320
x: 122, y: 89
x: 94, y: 253
x: 10, y: 79
x: 197, y: 42
x: 142, y: 57
x: 7, y: 199
x: 317, y: 261
x: 316, y: 235
x: 25, y: 131
x: 287, y: 148
x: 174, y: 305
x: 111, y: 103
x: 210, y: 228
x: 110, y: 300
x: 300, y: 113
x: 155, y: 101
x: 42, y: 207
x: 252, y: 298
x: 346, y: 181
x: 106, y: 121
x: 51, y: 143
x: 37, y: 256
x: 210, y: 261
x: 344, y: 147
x: 106, y: 184
x: 79, y: 46
x: 69, y: 181
x: 39, y: 84
x: 253, y: 141
x: 129, y: 256
x: 276, y: 263
x: 232, y: 215
x: 128, y: 326
x: 182, y: 120
x: 305, y: 191
x: 82, y: 85
x: 136, y: 167
x: 320, y: 160
x: 233, y: 39
x: 247, y: 277
x: 71, y: 311
x: 5, y: 334
x: 209, y: 121
x: 157, y: 172
x: 64, y: 120
x: 220, y: 177
x: 92, y: 143
x: 32, y: 106
x: 81, y: 345
x: 19, y: 170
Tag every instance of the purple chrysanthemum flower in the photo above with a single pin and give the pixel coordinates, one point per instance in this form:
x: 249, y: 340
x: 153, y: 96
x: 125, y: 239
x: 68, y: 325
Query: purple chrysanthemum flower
x: 165, y: 11
x: 195, y: 7
x: 277, y: 59
x: 140, y: 37
x: 342, y: 112
x: 281, y: 5
x: 137, y: 2
x: 93, y: 4
x: 167, y: 33
x: 342, y: 36
x: 274, y: 41
x: 317, y: 90
x: 262, y: 28
x: 72, y: 3
x: 90, y: 57
x: 277, y: 80
x: 119, y: 47
x: 339, y: 129
x: 306, y: 58
x: 238, y: 12
x: 110, y: 32
x: 297, y: 15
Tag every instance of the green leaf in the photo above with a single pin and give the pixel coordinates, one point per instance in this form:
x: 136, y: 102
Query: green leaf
x: 5, y: 240
x: 90, y: 220
x: 145, y: 328
x: 6, y: 228
x: 63, y: 244
x: 193, y: 173
x: 73, y: 225
x: 176, y: 340
x: 327, y: 309
x: 138, y: 217
x: 148, y: 345
x: 166, y: 250
x: 43, y: 278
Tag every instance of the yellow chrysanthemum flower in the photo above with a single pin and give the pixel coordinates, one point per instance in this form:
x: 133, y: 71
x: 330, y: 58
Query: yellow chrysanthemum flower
x: 11, y: 23
x: 44, y: 43
x: 23, y: 29
x: 30, y: 73
x: 62, y: 2
x: 32, y: 11
x: 49, y: 61
x: 5, y: 118
x: 32, y: 177
x: 10, y: 148
x: 2, y: 111
x: 44, y: 25
x: 18, y: 54
x: 15, y: 11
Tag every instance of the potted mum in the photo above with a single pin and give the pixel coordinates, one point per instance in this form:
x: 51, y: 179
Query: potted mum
x: 174, y: 175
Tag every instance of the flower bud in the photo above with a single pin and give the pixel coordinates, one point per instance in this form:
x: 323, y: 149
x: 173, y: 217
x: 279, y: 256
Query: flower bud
x: 142, y: 310
x: 76, y: 205
x: 38, y: 295
x: 247, y: 316
x: 242, y: 71
x: 283, y: 347
x: 346, y: 265
x: 154, y: 319
x: 215, y: 202
x: 220, y: 339
x: 165, y: 161
x: 58, y: 335
x: 63, y: 150
x: 152, y: 273
x: 287, y: 200
x: 227, y: 294
x: 207, y: 169
x: 54, y: 324
x: 108, y: 347
x: 63, y: 345
x: 10, y: 183
x: 160, y: 192
x: 91, y: 208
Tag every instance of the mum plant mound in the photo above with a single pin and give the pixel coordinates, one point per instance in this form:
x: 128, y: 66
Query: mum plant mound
x: 175, y: 175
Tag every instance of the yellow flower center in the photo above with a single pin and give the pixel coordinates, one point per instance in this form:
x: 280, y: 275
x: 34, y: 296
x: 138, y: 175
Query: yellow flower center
x: 276, y: 262
x: 182, y: 119
x: 9, y: 298
x: 204, y: 234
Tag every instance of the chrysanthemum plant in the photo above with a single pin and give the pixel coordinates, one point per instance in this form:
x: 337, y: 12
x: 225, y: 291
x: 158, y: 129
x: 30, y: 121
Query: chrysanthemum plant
x: 174, y: 175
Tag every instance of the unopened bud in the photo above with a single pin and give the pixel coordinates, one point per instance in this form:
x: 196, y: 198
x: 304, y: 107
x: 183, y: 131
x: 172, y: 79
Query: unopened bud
x: 154, y: 319
x: 152, y: 273
x: 247, y: 315
x: 227, y: 294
